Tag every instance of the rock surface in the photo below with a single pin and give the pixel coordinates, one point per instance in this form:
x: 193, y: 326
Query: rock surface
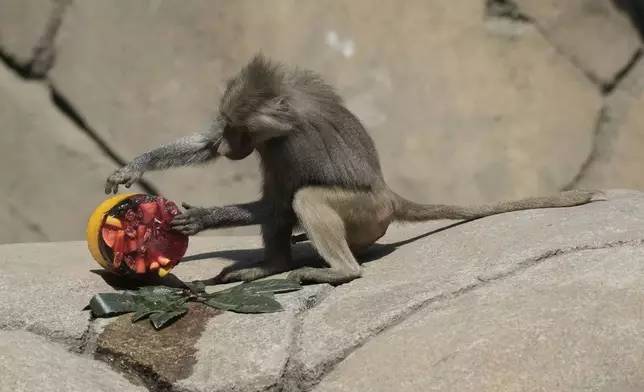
x: 554, y: 294
x: 22, y: 23
x: 573, y: 27
x: 465, y: 106
x: 567, y: 323
x: 53, y: 175
x: 617, y: 153
x: 30, y: 363
x: 476, y: 115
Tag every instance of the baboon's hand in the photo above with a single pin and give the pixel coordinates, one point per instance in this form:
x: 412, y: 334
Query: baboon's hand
x: 192, y: 221
x: 125, y: 175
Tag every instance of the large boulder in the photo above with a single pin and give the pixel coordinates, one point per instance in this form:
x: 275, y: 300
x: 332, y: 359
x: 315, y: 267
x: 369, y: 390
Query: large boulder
x: 22, y: 24
x: 598, y: 36
x: 52, y: 174
x: 462, y: 110
x: 617, y: 159
x: 544, y: 299
x: 31, y: 363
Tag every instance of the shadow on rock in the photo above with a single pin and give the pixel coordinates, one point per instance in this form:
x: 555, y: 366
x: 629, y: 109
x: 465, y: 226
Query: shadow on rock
x: 118, y: 282
x: 305, y: 255
x: 634, y: 9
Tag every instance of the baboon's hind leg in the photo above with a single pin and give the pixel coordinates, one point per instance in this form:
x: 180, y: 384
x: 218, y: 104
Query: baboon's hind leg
x: 325, y: 228
x: 339, y: 223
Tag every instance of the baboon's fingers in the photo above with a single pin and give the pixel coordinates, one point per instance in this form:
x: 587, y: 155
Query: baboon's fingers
x: 186, y: 205
x: 180, y: 220
x: 109, y: 186
x: 189, y: 229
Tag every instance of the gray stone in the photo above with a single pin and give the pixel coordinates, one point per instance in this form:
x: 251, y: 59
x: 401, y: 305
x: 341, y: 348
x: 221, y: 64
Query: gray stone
x: 407, y: 272
x: 30, y: 363
x: 474, y: 116
x: 45, y: 286
x: 596, y: 35
x: 56, y: 279
x: 232, y: 350
x: 54, y: 174
x: 448, y: 262
x: 22, y: 22
x: 249, y: 352
x: 566, y: 323
x: 617, y: 159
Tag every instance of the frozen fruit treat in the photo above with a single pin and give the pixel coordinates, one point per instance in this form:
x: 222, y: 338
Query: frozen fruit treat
x: 130, y: 235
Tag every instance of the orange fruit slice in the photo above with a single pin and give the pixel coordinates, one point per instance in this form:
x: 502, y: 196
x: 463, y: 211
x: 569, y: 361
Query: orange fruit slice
x: 94, y: 228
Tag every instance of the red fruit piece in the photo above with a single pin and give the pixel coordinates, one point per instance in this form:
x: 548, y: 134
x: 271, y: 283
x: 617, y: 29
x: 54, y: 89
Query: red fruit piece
x: 118, y: 257
x: 139, y: 264
x: 163, y: 260
x: 130, y: 216
x: 109, y: 236
x: 130, y: 231
x: 147, y: 235
x: 131, y: 245
x: 149, y: 211
x: 171, y: 208
x: 160, y: 202
x: 129, y: 261
x: 119, y: 242
x: 140, y: 236
x: 168, y: 211
x: 153, y: 255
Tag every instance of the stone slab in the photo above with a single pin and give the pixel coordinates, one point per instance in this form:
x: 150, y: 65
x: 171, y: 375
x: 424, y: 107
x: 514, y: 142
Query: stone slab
x: 250, y: 353
x: 475, y: 116
x: 597, y: 35
x: 320, y: 325
x: 568, y: 323
x: 22, y: 22
x: 215, y: 351
x: 617, y: 160
x: 58, y: 281
x: 54, y: 173
x: 45, y: 286
x: 31, y: 363
x: 447, y: 262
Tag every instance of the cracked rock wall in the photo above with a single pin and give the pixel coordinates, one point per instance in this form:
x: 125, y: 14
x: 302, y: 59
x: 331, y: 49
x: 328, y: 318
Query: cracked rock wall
x: 468, y: 101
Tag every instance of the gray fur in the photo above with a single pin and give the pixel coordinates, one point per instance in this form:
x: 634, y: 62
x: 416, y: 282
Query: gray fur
x: 189, y: 150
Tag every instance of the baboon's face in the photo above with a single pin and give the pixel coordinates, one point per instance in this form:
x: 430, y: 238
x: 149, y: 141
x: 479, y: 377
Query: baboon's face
x: 236, y: 144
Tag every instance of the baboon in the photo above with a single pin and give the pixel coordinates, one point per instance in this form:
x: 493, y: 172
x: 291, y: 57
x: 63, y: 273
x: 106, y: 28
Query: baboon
x: 321, y: 173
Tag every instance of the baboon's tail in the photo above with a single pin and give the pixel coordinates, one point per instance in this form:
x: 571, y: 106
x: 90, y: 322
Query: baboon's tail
x: 409, y: 211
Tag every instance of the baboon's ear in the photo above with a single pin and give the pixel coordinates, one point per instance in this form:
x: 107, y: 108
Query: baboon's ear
x: 273, y: 119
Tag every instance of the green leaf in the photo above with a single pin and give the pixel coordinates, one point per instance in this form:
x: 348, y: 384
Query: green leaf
x: 268, y: 286
x: 159, y: 320
x: 111, y: 304
x: 141, y: 314
x: 242, y: 302
x: 147, y: 290
x: 197, y: 287
x: 160, y: 301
